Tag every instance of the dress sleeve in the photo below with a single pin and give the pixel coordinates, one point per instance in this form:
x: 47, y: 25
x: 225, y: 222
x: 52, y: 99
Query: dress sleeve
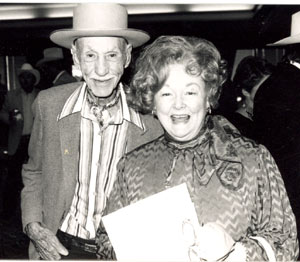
x: 273, y: 233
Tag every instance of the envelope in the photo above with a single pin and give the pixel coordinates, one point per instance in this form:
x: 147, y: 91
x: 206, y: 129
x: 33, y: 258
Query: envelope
x: 152, y: 229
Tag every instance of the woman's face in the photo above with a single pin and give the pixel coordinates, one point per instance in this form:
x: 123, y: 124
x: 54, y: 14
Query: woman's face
x: 181, y: 104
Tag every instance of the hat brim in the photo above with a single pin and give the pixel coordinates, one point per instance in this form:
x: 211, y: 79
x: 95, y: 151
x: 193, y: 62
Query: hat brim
x: 66, y: 37
x: 287, y: 41
x: 35, y: 72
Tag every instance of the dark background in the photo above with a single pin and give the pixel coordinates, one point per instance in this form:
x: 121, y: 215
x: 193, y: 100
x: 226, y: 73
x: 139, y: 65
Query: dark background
x: 228, y: 30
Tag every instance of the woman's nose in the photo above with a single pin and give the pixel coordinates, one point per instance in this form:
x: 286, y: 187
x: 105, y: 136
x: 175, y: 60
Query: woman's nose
x: 101, y: 67
x: 179, y: 103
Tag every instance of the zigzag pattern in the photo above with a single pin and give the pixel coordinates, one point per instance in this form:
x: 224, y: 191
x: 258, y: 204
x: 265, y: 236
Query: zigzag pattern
x: 259, y: 206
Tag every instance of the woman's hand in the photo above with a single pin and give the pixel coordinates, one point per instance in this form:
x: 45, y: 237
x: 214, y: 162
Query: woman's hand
x: 45, y: 242
x: 211, y: 243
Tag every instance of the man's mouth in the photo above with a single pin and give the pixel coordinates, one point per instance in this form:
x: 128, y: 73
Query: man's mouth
x: 102, y: 81
x: 182, y: 118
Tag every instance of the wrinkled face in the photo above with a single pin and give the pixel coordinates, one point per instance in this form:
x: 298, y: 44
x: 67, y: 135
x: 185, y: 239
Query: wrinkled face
x: 181, y: 104
x: 27, y: 81
x: 102, y: 61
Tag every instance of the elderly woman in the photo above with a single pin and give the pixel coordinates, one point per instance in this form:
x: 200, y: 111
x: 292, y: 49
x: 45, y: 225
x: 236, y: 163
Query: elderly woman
x: 234, y: 183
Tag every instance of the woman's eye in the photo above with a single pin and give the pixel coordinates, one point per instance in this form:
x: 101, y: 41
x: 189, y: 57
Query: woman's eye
x: 165, y: 94
x: 191, y: 93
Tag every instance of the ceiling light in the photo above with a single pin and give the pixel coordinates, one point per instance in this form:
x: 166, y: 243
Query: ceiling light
x: 58, y: 10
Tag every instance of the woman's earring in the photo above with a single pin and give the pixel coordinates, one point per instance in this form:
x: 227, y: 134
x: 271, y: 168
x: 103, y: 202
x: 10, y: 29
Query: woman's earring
x: 208, y: 109
x: 153, y: 112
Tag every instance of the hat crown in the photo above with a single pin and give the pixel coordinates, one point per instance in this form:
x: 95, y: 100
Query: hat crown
x: 26, y: 67
x: 53, y: 52
x: 104, y: 16
x: 99, y: 20
x: 294, y: 37
x: 295, y: 26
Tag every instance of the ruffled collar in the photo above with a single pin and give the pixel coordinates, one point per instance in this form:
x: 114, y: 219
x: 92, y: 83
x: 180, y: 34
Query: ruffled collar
x: 212, y: 152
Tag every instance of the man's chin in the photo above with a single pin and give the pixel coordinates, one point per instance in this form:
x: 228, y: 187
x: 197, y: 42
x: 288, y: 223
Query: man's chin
x: 105, y: 94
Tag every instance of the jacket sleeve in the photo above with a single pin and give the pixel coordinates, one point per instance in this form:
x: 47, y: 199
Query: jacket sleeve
x: 31, y: 195
x: 273, y: 233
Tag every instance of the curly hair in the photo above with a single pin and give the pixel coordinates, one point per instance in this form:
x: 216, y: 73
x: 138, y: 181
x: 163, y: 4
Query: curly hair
x: 200, y: 57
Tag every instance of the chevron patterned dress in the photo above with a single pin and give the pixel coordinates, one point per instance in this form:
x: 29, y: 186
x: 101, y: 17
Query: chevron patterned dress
x: 232, y: 181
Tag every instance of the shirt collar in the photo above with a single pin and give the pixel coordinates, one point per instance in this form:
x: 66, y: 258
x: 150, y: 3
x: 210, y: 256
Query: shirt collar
x: 58, y: 76
x: 75, y: 102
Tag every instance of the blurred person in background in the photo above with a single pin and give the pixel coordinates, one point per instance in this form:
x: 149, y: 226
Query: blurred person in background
x: 234, y: 183
x: 3, y: 91
x: 17, y: 114
x: 277, y: 114
x: 53, y: 69
x: 251, y: 72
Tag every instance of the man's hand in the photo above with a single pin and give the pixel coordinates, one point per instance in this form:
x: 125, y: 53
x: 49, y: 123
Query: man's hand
x: 45, y: 242
x: 15, y: 116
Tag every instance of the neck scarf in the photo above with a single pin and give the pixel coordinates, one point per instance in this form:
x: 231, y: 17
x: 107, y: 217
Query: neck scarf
x: 210, y: 152
x: 100, y: 110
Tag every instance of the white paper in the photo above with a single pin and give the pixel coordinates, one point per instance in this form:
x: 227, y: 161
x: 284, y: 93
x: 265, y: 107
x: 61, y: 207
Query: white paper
x: 152, y: 229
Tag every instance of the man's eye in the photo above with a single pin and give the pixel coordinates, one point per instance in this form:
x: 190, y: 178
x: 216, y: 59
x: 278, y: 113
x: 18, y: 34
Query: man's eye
x: 165, y: 94
x: 112, y: 56
x: 90, y: 56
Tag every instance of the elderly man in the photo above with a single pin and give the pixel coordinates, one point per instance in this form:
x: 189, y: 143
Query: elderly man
x: 80, y: 132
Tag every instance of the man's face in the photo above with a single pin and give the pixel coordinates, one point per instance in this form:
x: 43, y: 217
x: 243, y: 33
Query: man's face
x: 27, y: 81
x: 102, y: 61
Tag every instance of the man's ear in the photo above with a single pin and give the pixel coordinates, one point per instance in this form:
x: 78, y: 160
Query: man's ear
x: 75, y: 56
x: 128, y: 51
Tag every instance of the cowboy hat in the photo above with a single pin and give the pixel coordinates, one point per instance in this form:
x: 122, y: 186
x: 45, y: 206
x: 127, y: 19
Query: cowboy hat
x: 51, y: 54
x: 295, y: 32
x: 28, y: 68
x: 99, y: 19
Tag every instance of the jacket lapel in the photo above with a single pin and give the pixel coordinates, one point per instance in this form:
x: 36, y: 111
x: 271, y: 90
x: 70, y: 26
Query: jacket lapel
x: 69, y: 136
x: 135, y: 136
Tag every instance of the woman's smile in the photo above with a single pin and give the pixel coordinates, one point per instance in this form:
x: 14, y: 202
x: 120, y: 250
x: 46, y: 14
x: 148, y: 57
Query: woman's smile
x: 180, y: 118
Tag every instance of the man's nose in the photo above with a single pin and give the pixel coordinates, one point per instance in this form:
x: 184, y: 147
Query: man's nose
x: 101, y: 67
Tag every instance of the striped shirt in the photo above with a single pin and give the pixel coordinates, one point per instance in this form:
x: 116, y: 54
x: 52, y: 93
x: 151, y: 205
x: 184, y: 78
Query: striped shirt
x: 99, y: 154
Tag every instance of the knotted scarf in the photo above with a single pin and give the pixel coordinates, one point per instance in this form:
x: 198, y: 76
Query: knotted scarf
x: 207, y: 154
x: 103, y: 113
